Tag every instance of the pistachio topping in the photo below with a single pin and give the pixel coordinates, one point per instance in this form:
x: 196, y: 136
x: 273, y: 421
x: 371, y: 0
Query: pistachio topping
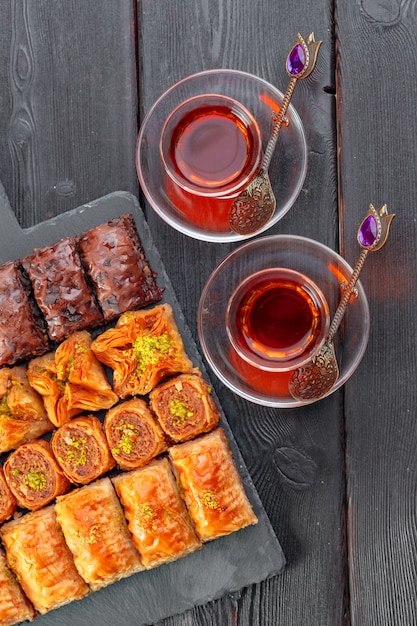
x: 149, y: 348
x: 35, y: 479
x: 180, y: 411
x: 208, y: 499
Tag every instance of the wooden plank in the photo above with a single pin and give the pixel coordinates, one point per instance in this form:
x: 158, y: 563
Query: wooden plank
x: 68, y: 110
x: 295, y: 456
x: 377, y: 93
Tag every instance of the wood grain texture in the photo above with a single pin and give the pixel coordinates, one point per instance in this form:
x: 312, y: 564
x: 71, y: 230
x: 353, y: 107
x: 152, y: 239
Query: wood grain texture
x: 377, y: 93
x: 295, y: 456
x: 68, y: 111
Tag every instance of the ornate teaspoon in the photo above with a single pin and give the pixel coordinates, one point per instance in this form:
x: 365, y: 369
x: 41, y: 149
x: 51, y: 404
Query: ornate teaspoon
x: 315, y: 379
x: 254, y: 207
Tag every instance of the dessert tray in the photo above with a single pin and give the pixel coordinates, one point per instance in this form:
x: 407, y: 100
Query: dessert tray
x: 226, y: 564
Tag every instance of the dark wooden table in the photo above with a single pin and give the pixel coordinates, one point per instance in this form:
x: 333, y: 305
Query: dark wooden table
x: 338, y: 478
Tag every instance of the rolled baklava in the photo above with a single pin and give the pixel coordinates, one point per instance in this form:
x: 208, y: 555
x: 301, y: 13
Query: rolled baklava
x: 211, y: 486
x: 38, y: 555
x: 119, y: 271
x: 61, y: 290
x: 8, y: 503
x: 71, y: 380
x: 143, y: 349
x: 14, y: 606
x: 21, y: 327
x: 184, y: 407
x: 22, y: 412
x: 80, y: 447
x: 96, y: 532
x: 133, y: 434
x: 156, y: 514
x: 34, y: 476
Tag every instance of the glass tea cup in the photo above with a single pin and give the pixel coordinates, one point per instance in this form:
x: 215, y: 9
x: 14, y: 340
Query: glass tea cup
x: 277, y: 319
x: 211, y: 146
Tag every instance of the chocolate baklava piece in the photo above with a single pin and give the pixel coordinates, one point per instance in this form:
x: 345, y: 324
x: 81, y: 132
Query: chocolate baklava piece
x: 114, y: 259
x: 22, y: 332
x: 61, y: 290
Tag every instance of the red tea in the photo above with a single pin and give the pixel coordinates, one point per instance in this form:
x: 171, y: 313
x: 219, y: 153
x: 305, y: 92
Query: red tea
x: 276, y: 318
x: 210, y: 146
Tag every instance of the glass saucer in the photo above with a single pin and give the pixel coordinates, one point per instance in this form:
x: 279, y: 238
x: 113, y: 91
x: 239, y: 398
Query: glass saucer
x: 207, y: 218
x: 326, y: 268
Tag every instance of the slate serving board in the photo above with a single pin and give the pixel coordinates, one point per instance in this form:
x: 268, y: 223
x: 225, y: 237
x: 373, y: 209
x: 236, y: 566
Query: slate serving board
x: 224, y: 565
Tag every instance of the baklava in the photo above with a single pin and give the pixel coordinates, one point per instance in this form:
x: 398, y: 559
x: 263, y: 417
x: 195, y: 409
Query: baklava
x: 115, y: 262
x: 184, y: 407
x: 156, y: 514
x: 38, y: 555
x: 143, y: 349
x: 81, y: 449
x: 96, y: 532
x: 211, y: 486
x: 22, y: 412
x: 133, y: 434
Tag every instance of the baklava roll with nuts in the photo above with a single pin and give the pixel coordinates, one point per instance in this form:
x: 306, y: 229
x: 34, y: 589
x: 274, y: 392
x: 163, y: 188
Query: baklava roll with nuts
x: 34, y: 476
x: 80, y: 447
x: 133, y: 434
x: 184, y: 407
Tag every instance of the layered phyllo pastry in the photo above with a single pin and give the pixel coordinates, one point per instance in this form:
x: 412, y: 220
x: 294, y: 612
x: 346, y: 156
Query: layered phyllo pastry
x: 184, y: 407
x: 71, y: 380
x: 61, y: 290
x: 80, y: 447
x: 143, y: 349
x: 21, y: 332
x: 14, y: 606
x: 156, y: 514
x: 211, y: 486
x: 22, y: 412
x: 96, y: 532
x: 34, y: 476
x: 133, y: 434
x: 38, y: 555
x: 115, y: 262
x: 8, y: 503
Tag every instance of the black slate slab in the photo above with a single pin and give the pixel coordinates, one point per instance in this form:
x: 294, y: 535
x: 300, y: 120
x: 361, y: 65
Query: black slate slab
x: 227, y: 564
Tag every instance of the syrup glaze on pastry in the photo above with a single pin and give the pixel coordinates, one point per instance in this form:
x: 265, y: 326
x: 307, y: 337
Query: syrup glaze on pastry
x: 211, y: 486
x: 157, y: 517
x: 14, y: 606
x: 37, y: 553
x: 96, y: 532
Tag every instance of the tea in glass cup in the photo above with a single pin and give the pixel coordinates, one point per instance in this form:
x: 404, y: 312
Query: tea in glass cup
x: 277, y: 319
x: 211, y: 146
